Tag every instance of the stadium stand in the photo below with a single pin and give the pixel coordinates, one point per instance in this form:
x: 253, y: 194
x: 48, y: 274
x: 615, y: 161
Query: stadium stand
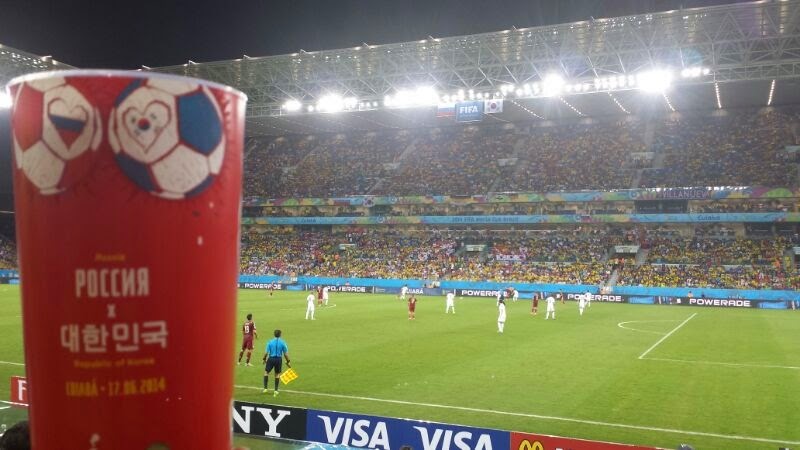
x: 8, y: 253
x: 738, y: 149
x: 451, y: 163
x: 563, y: 256
x: 741, y: 148
x: 575, y: 157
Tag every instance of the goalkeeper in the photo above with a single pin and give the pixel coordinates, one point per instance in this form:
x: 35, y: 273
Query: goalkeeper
x: 273, y: 358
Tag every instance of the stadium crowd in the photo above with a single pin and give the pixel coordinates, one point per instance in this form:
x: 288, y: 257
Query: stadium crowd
x: 577, y: 156
x: 8, y: 253
x: 737, y: 149
x: 451, y: 163
x: 702, y: 276
x: 743, y: 148
x: 542, y: 257
x: 717, y: 251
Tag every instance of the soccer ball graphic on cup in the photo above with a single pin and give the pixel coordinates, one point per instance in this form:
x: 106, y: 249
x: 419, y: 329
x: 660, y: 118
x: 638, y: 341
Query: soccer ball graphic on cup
x: 167, y: 135
x: 54, y: 133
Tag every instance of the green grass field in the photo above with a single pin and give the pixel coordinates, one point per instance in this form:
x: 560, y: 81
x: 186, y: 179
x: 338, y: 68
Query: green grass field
x: 718, y: 379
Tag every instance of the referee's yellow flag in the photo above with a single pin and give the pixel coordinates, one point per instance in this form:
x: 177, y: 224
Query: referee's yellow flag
x: 288, y: 376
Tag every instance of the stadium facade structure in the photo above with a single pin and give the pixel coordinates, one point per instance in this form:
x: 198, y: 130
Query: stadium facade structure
x: 745, y: 46
x: 14, y: 62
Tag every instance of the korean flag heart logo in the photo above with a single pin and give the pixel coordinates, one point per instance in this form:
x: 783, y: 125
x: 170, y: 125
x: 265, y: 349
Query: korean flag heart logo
x: 146, y: 125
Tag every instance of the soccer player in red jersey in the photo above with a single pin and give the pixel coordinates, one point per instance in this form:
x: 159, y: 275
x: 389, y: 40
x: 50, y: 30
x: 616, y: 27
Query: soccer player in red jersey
x: 319, y: 295
x: 248, y: 334
x: 412, y: 306
x: 535, y: 307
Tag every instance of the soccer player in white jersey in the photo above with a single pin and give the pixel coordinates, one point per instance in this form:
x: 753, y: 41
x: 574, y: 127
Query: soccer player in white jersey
x: 310, y: 308
x: 581, y: 303
x: 515, y: 295
x: 499, y: 297
x: 403, y: 292
x: 501, y: 316
x: 551, y: 307
x: 451, y: 303
x: 325, y: 295
x: 588, y: 296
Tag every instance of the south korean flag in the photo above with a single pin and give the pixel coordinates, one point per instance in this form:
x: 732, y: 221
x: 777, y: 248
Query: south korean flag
x: 493, y: 106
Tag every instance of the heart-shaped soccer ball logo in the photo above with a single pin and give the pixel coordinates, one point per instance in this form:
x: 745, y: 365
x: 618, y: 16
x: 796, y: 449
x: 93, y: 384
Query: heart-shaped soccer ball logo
x: 167, y: 136
x: 53, y: 129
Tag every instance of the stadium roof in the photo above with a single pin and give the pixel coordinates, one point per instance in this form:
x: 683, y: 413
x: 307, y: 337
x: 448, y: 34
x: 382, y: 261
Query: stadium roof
x: 15, y: 62
x: 743, y: 55
x: 736, y: 50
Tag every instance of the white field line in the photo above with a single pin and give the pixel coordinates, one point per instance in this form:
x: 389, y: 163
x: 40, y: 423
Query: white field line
x: 535, y: 416
x: 507, y: 413
x: 14, y: 403
x: 621, y: 325
x: 666, y: 336
x: 4, y: 407
x: 9, y: 363
x: 691, y: 361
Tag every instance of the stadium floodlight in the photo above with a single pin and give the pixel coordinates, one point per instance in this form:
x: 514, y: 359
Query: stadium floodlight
x: 292, y: 105
x: 330, y: 103
x: 350, y: 102
x: 655, y: 81
x: 693, y: 72
x: 5, y: 100
x: 552, y: 85
x: 421, y: 96
x: 426, y: 95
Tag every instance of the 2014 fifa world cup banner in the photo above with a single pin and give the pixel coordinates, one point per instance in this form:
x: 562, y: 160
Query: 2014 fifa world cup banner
x: 525, y: 441
x: 698, y: 193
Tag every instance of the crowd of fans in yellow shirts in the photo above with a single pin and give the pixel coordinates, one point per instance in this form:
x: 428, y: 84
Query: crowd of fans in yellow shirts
x: 553, y: 257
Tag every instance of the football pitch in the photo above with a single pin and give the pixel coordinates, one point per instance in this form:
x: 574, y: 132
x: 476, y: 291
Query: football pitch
x: 649, y: 375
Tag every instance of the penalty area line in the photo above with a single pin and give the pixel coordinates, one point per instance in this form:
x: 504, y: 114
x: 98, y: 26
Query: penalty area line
x: 715, y: 363
x: 533, y: 416
x: 666, y: 336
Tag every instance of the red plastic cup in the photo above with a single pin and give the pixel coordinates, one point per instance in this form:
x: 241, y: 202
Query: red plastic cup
x: 128, y: 193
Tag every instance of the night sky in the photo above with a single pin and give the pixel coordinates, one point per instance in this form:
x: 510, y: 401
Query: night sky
x: 127, y: 34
